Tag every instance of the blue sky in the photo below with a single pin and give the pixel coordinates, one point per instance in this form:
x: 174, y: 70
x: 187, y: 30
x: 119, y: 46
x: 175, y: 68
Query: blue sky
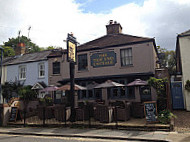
x: 104, y: 6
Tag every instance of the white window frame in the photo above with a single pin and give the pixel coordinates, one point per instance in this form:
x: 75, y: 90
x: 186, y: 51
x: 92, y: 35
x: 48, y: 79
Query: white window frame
x: 22, y: 72
x: 40, y: 70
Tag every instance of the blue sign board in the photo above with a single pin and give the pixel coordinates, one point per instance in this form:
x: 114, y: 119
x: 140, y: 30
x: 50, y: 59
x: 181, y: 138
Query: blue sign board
x: 103, y: 59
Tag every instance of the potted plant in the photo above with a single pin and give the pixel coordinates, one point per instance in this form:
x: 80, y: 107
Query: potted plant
x: 187, y: 85
x: 165, y: 116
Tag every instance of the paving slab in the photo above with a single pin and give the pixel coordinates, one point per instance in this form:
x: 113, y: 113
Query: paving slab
x: 94, y: 133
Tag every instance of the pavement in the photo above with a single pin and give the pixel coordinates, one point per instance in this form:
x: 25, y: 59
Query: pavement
x: 98, y: 133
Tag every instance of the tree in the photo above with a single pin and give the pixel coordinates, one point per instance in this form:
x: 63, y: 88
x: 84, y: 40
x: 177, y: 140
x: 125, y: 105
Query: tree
x: 53, y: 47
x: 167, y: 59
x: 50, y: 47
x: 10, y: 88
x: 26, y: 94
x: 160, y: 86
x: 8, y: 51
x: 6, y: 91
x: 31, y: 47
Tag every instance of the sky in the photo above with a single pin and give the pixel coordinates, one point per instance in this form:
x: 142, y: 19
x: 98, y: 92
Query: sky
x: 52, y: 20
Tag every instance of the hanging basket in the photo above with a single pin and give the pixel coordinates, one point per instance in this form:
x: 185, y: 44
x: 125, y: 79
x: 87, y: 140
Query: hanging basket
x: 187, y: 85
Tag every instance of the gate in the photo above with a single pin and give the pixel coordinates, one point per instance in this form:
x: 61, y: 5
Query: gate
x: 177, y: 95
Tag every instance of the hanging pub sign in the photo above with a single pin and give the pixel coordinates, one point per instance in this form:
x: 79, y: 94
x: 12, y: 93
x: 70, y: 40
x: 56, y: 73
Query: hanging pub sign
x: 71, y: 48
x: 103, y: 59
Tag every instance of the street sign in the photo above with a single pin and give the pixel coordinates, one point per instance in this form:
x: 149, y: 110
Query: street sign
x: 71, y: 48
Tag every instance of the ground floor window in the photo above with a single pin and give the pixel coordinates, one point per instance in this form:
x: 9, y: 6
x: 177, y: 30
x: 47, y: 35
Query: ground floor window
x: 89, y: 94
x: 131, y: 92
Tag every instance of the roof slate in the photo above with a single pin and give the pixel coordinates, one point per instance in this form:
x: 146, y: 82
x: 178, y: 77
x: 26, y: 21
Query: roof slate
x: 112, y: 40
x: 56, y: 53
x: 29, y: 57
x: 185, y: 33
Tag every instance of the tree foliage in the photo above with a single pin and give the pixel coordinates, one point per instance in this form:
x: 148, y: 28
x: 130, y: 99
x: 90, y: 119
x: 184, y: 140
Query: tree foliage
x: 26, y: 93
x: 50, y: 47
x: 31, y: 47
x: 187, y: 85
x: 8, y: 88
x: 167, y: 59
x: 160, y: 86
x: 8, y: 51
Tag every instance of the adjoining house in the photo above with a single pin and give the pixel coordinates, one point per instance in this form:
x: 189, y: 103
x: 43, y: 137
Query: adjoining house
x: 181, y: 96
x: 27, y: 68
x: 116, y: 56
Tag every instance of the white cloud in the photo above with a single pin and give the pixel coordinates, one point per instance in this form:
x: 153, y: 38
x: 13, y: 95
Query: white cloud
x: 51, y: 20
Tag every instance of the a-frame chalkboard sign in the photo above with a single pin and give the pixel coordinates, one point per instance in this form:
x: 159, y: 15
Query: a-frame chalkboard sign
x: 150, y: 110
x: 15, y: 114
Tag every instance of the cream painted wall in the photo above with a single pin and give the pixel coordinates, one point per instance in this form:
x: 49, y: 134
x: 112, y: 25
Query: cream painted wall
x: 3, y: 79
x: 4, y: 74
x: 184, y: 43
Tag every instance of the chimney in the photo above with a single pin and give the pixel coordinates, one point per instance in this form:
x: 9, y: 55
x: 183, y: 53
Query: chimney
x: 20, y: 49
x: 113, y: 28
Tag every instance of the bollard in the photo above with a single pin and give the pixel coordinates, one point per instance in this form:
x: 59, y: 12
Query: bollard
x: 65, y: 116
x: 44, y: 116
x: 116, y: 123
x: 24, y: 117
x: 89, y: 118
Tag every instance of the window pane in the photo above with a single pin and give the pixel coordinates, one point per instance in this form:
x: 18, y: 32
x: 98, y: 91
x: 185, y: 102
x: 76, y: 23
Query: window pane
x: 115, y: 92
x: 41, y: 70
x: 98, y: 93
x: 90, y: 93
x: 82, y: 62
x: 131, y: 93
x: 56, y: 68
x: 122, y: 91
x: 126, y: 57
x: 22, y: 72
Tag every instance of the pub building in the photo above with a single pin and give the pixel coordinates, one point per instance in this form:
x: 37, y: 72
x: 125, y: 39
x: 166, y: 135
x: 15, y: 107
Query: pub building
x: 118, y: 57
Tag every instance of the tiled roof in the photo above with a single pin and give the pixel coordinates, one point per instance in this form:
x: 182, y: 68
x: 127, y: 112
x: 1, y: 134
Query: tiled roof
x: 29, y: 57
x: 7, y: 59
x: 56, y: 53
x: 185, y: 33
x: 112, y: 40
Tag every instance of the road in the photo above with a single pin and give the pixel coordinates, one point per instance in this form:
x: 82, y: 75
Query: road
x: 29, y: 138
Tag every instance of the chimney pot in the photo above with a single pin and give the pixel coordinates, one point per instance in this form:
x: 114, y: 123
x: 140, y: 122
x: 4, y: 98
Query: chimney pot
x: 111, y: 22
x: 20, y: 49
x: 114, y: 27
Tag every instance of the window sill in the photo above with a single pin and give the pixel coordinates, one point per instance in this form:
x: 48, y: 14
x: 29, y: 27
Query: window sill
x: 127, y: 66
x: 41, y: 77
x: 23, y: 79
x: 56, y: 75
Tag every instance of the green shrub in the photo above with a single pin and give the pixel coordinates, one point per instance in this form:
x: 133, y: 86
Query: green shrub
x: 187, y: 85
x: 165, y: 116
x: 47, y: 101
